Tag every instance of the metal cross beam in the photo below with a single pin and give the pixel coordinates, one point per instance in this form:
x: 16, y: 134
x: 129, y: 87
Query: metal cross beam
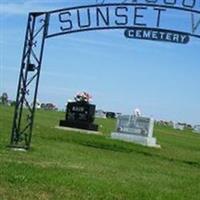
x: 37, y: 27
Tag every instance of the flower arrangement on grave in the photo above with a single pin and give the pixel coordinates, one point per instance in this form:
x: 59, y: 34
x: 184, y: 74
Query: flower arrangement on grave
x: 83, y: 97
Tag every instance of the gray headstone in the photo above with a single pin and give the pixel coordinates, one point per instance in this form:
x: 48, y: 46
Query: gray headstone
x: 178, y: 126
x: 135, y: 129
x: 196, y: 129
x: 135, y: 125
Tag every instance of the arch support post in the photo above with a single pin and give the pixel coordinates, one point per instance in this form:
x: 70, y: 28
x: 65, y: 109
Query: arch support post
x: 36, y: 31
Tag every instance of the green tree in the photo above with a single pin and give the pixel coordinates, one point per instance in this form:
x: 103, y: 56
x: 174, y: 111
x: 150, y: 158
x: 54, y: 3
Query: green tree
x: 4, y: 98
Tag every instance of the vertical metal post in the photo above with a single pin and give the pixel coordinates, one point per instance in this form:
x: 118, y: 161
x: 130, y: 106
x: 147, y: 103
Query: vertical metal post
x: 37, y: 27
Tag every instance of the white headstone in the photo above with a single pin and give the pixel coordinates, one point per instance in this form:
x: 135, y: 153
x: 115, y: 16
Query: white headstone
x: 178, y: 126
x: 196, y: 129
x: 135, y: 129
x: 100, y: 114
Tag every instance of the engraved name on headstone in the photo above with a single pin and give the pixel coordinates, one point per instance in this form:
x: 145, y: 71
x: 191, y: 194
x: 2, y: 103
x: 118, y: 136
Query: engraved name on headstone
x: 135, y: 125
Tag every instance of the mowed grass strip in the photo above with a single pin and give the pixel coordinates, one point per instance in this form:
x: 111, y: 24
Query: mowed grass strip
x: 71, y: 165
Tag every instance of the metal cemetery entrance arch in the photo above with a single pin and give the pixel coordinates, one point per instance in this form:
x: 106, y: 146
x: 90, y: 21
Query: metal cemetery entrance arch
x: 128, y: 16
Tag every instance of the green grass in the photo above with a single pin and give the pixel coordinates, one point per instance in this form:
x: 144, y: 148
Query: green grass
x: 69, y: 165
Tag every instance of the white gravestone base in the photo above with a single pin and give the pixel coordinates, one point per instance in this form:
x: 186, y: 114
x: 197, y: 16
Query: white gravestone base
x: 146, y: 141
x: 78, y: 130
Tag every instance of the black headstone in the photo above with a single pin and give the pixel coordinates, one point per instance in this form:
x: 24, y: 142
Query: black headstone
x: 80, y: 115
x: 110, y: 115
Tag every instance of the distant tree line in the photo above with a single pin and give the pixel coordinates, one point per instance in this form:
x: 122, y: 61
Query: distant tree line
x: 4, y: 100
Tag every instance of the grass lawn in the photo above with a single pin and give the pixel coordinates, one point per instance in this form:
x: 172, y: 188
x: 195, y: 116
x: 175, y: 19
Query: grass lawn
x: 69, y: 165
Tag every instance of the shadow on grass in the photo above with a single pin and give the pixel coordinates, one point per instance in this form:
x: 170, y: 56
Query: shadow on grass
x: 192, y: 163
x: 105, y: 143
x: 93, y: 141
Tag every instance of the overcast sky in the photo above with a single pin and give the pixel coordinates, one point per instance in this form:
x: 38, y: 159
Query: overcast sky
x: 162, y: 79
